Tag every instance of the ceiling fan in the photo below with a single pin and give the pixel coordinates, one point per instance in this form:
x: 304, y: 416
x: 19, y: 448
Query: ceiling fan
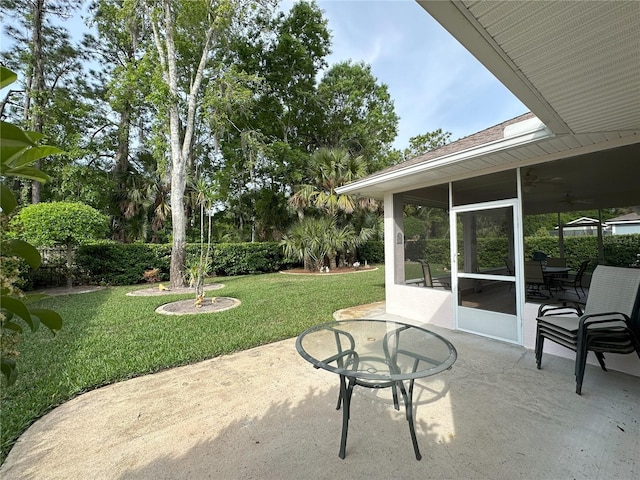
x: 569, y: 199
x: 531, y: 180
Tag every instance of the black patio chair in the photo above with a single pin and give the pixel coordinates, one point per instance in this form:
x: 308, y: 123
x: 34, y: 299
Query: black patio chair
x: 576, y: 280
x: 428, y: 279
x: 535, y: 280
x: 538, y: 256
x: 609, y: 322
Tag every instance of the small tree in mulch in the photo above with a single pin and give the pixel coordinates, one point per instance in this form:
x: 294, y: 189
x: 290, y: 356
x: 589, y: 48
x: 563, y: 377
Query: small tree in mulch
x: 198, y: 270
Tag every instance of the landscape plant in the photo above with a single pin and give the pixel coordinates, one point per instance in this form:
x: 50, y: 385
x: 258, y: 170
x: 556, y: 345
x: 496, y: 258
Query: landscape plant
x: 66, y: 224
x: 19, y: 149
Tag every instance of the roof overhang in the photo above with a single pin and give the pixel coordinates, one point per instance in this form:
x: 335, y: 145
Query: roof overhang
x: 576, y: 65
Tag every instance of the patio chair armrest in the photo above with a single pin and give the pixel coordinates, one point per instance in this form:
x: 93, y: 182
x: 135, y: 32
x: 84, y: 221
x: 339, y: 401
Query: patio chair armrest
x: 561, y: 307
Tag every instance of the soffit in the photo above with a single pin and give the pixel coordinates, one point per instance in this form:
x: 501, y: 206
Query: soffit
x: 576, y: 65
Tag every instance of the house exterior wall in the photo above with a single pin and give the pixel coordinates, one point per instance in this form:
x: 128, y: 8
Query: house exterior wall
x: 625, y: 229
x: 423, y: 305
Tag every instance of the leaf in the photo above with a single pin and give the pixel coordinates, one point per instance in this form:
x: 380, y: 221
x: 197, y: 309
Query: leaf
x: 12, y: 326
x: 18, y: 308
x: 9, y: 370
x: 35, y: 153
x: 34, y: 297
x: 23, y: 250
x: 28, y: 172
x: 7, y: 77
x: 50, y: 319
x: 11, y: 154
x: 7, y: 200
x: 13, y: 136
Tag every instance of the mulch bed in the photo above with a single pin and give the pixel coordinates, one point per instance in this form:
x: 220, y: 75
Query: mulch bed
x: 335, y: 271
x: 156, y: 291
x: 188, y: 307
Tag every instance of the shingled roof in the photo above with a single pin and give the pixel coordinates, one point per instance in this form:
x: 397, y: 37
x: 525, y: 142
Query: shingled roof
x: 483, y: 137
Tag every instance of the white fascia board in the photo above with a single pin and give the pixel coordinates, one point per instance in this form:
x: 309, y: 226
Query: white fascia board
x: 516, y: 139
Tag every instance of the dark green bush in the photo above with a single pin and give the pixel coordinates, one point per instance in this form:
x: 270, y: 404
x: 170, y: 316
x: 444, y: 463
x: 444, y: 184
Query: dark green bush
x: 246, y: 258
x: 125, y: 264
x: 371, y: 251
x: 437, y: 251
x: 415, y: 250
x: 121, y: 264
x: 619, y: 250
x: 622, y: 250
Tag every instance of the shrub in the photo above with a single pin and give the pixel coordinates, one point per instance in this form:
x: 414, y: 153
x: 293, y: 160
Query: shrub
x: 245, y: 258
x: 66, y: 224
x: 371, y: 251
x: 126, y: 264
x: 622, y: 250
x: 122, y: 264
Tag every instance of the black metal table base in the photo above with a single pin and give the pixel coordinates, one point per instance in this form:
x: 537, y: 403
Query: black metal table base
x: 346, y: 392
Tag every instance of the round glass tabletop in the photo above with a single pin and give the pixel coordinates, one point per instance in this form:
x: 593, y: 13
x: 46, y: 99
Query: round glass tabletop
x: 377, y: 350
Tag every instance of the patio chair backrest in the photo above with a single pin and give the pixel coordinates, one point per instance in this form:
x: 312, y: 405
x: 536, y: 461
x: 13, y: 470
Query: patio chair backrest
x: 615, y: 289
x: 581, y: 269
x: 426, y: 273
x: 533, y: 273
x: 556, y: 262
x: 538, y: 256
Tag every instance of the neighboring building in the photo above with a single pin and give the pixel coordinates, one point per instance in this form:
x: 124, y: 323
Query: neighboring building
x: 625, y: 224
x: 583, y: 226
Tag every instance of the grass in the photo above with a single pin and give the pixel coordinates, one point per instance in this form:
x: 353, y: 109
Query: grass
x: 108, y: 336
x: 414, y: 270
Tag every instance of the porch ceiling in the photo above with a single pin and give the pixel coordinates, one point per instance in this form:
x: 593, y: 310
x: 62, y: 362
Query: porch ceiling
x: 576, y: 65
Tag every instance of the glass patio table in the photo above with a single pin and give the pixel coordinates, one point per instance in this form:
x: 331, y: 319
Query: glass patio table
x: 376, y: 354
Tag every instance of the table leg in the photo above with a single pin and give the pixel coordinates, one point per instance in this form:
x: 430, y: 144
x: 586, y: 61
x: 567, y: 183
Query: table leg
x: 408, y: 405
x: 345, y: 393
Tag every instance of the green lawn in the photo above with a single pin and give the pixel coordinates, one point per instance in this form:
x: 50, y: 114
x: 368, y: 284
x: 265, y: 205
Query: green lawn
x: 108, y: 336
x: 413, y: 270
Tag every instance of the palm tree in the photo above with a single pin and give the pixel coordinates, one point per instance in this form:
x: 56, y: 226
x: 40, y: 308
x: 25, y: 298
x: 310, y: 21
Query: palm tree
x: 305, y: 242
x: 320, y: 239
x: 330, y: 168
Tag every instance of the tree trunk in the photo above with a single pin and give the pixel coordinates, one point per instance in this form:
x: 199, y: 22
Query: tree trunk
x: 69, y: 265
x: 180, y: 144
x: 333, y: 264
x: 37, y: 85
x: 121, y: 165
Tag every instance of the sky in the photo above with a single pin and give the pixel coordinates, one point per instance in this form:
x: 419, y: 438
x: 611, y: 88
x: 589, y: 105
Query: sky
x: 433, y: 81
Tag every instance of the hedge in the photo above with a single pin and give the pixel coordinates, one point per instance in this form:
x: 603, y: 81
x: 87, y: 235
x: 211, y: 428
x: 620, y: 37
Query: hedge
x: 619, y: 250
x: 371, y: 252
x: 125, y: 264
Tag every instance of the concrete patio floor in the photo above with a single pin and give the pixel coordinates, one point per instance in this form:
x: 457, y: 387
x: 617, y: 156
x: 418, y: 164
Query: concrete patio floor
x: 266, y: 413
